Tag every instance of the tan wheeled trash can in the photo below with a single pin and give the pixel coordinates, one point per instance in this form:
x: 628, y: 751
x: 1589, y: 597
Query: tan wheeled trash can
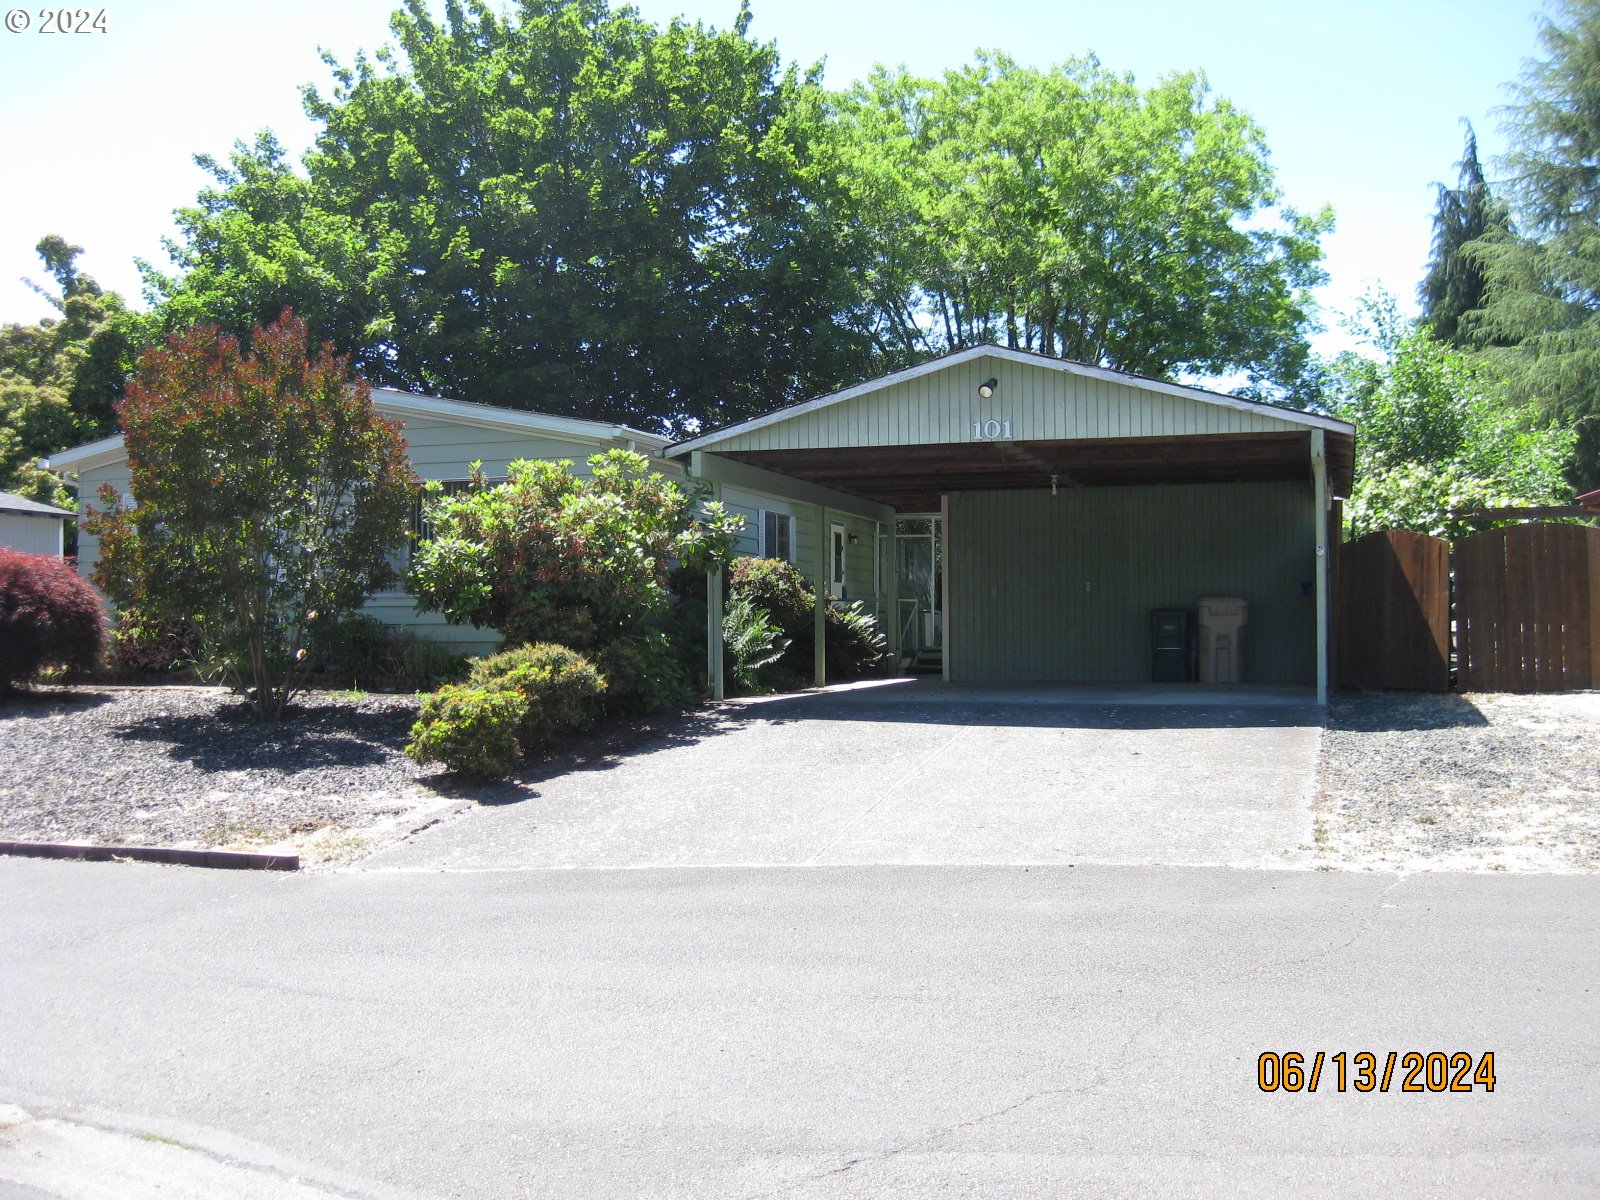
x: 1222, y: 622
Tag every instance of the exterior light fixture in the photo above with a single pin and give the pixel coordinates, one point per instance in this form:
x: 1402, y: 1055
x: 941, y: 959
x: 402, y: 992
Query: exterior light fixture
x: 987, y: 387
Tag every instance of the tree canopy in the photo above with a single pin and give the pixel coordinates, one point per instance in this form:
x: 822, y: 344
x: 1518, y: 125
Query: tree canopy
x: 566, y: 208
x: 61, y: 377
x: 1454, y: 284
x: 268, y: 495
x: 1543, y: 299
x: 1433, y: 437
x: 569, y: 208
x: 1073, y: 213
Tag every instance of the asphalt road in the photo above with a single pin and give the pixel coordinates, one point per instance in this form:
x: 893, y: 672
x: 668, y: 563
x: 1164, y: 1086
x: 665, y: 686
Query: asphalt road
x: 810, y: 1032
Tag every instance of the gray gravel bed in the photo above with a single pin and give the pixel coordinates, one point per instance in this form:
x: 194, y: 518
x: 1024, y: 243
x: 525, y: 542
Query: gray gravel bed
x: 1474, y: 782
x: 188, y: 766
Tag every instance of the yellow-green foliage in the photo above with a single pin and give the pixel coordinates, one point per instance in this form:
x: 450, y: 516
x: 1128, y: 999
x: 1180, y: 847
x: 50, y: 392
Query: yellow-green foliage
x: 471, y: 730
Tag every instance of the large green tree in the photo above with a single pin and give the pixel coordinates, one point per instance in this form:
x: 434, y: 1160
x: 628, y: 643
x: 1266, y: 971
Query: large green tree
x: 1543, y: 296
x: 60, y: 378
x: 564, y: 207
x: 1071, y: 212
x: 1434, y: 440
x: 1454, y: 283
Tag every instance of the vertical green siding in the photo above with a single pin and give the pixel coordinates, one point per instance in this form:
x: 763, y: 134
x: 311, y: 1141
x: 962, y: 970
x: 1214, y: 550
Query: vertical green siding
x: 1041, y: 403
x: 1061, y: 587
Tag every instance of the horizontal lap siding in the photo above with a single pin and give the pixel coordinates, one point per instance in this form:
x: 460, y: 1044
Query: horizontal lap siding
x: 438, y: 449
x: 1041, y: 402
x: 444, y: 449
x: 89, y: 484
x: 1020, y: 562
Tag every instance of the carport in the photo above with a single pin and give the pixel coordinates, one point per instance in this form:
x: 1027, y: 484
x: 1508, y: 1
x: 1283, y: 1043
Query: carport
x: 1063, y: 504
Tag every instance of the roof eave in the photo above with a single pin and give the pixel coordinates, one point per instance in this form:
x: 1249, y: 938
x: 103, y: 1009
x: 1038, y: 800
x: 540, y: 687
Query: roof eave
x: 1291, y: 416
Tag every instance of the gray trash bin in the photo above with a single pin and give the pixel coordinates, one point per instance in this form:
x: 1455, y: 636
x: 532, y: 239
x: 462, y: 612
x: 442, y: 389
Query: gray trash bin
x: 1222, y: 622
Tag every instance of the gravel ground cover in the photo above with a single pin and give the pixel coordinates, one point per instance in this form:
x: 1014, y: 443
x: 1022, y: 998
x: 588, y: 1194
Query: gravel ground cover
x: 1484, y: 782
x: 188, y: 766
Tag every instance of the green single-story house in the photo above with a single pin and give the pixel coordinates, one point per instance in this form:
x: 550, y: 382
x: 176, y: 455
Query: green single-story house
x: 442, y: 438
x: 1007, y: 516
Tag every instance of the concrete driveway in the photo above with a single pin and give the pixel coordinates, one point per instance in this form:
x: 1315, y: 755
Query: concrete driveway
x: 919, y: 772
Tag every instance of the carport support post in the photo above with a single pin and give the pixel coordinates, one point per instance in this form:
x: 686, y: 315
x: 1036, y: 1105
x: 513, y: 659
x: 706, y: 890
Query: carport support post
x: 819, y: 657
x: 714, y: 656
x: 1319, y: 481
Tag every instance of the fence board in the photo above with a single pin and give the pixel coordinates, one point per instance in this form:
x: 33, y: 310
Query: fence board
x: 1528, y: 608
x: 1393, y: 612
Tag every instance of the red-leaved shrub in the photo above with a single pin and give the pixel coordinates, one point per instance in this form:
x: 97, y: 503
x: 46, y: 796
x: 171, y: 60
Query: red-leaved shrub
x: 49, y: 617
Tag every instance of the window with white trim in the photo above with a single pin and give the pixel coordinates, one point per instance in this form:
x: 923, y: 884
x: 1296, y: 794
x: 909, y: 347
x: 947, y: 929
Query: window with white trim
x: 777, y: 535
x: 419, y: 528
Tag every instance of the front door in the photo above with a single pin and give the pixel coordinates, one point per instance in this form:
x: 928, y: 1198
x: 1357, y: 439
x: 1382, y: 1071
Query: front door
x: 836, y: 559
x: 918, y: 555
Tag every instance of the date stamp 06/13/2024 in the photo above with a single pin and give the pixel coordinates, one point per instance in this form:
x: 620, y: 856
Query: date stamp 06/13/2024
x: 1408, y: 1071
x: 57, y: 20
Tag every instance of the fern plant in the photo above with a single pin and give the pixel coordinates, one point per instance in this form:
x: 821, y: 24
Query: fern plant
x: 753, y: 640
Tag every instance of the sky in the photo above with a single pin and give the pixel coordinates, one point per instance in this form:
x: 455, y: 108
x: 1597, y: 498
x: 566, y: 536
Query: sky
x: 1361, y: 102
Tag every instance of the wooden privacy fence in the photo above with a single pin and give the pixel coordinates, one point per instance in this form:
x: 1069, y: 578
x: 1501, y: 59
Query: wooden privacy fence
x: 1528, y: 609
x: 1526, y: 603
x: 1392, y: 612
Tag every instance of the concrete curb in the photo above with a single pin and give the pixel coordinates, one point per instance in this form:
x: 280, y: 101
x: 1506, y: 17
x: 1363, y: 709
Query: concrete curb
x: 235, y: 860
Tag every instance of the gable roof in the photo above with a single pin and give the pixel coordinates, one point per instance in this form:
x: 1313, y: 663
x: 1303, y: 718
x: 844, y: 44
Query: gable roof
x: 1289, y: 416
x: 21, y: 506
x: 400, y: 405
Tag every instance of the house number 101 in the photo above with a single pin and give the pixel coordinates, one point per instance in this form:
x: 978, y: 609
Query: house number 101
x: 991, y: 429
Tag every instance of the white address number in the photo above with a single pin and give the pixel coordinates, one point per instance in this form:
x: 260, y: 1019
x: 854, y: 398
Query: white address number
x: 991, y: 429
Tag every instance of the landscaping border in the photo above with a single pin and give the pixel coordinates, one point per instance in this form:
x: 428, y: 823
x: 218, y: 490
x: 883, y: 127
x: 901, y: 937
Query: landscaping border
x: 235, y: 860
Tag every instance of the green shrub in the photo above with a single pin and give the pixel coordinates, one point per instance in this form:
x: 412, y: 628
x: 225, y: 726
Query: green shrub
x: 355, y: 643
x: 471, y: 730
x: 643, y: 675
x: 371, y: 651
x: 753, y: 641
x: 855, y: 644
x: 142, y: 645
x: 562, y: 690
x: 423, y: 658
x: 776, y: 587
x: 548, y: 556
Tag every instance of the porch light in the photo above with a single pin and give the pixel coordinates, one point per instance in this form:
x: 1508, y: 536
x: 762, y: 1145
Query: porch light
x: 987, y: 387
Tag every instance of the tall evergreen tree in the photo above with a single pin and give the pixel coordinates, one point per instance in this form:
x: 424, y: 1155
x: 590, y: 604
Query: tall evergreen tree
x: 1454, y: 284
x: 1543, y: 301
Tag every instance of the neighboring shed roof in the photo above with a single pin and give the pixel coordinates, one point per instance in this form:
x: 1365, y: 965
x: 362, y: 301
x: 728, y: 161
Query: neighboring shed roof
x: 1589, y: 500
x: 401, y: 405
x: 21, y: 506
